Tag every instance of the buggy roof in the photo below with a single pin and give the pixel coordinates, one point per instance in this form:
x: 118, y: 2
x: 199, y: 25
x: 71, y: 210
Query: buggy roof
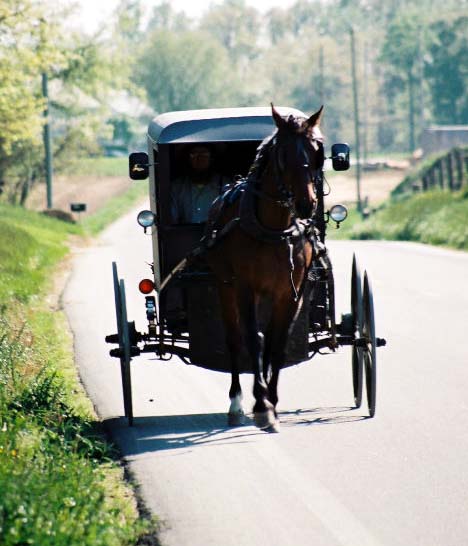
x: 215, y: 125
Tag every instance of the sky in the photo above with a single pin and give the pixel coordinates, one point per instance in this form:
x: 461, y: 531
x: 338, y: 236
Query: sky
x: 93, y: 12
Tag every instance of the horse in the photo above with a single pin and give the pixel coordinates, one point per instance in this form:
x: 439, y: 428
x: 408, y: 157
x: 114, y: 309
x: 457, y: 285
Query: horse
x: 263, y: 252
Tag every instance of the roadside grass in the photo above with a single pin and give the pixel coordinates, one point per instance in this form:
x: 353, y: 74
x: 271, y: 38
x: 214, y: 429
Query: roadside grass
x: 97, y: 166
x: 60, y: 482
x: 30, y: 245
x: 437, y: 217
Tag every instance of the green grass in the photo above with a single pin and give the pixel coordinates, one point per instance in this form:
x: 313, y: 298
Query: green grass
x: 98, y: 166
x: 115, y: 208
x: 59, y: 482
x: 436, y: 217
x: 30, y: 246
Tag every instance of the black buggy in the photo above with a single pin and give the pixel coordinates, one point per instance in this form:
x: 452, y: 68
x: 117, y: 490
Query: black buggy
x: 182, y: 306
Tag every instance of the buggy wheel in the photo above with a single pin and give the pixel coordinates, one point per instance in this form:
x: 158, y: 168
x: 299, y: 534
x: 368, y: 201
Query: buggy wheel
x: 357, y: 318
x: 370, y: 353
x: 124, y: 343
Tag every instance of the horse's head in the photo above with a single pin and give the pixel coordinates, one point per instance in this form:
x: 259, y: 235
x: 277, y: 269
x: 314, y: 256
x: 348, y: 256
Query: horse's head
x: 298, y: 156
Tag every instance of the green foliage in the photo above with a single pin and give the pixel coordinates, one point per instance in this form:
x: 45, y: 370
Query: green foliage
x: 446, y: 71
x: 54, y: 465
x: 81, y: 72
x: 436, y: 218
x: 235, y: 26
x: 59, y: 485
x: 185, y: 70
x: 98, y: 166
x: 30, y: 244
x: 402, y: 42
x: 114, y: 208
x: 421, y: 170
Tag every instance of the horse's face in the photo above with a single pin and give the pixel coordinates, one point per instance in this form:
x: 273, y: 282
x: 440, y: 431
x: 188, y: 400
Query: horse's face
x: 299, y: 158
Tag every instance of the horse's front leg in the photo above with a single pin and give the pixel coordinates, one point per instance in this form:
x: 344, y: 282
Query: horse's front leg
x: 230, y: 312
x: 264, y: 416
x: 282, y: 321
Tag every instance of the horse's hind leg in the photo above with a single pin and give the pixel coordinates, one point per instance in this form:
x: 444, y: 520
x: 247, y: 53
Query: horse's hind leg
x: 230, y: 313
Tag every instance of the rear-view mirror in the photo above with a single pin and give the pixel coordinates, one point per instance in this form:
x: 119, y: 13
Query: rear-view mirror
x: 340, y: 156
x: 138, y: 165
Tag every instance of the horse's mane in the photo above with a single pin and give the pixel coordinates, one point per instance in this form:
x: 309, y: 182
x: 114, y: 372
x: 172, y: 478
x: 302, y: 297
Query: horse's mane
x: 261, y: 159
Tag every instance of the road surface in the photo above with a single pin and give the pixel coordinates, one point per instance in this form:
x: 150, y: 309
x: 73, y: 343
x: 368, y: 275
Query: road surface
x: 331, y: 477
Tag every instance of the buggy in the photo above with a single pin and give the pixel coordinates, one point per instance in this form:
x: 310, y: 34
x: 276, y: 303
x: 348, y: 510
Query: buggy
x: 181, y: 299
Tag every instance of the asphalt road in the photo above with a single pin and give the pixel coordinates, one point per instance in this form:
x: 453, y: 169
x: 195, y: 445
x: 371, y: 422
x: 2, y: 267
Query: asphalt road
x: 332, y: 476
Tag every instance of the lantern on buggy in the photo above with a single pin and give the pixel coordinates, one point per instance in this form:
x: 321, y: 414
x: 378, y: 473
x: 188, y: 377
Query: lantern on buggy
x: 146, y: 219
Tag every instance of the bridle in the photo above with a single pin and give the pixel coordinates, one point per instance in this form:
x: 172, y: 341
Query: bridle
x: 285, y: 197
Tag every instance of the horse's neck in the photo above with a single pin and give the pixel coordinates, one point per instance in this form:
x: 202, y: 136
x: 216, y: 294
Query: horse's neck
x: 270, y: 214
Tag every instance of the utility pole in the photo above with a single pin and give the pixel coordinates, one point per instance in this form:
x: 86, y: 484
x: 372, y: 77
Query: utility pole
x: 356, y: 120
x: 321, y: 75
x: 365, y: 121
x: 47, y: 140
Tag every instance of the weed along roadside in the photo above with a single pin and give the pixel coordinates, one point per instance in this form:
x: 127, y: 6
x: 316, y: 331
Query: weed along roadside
x: 61, y: 482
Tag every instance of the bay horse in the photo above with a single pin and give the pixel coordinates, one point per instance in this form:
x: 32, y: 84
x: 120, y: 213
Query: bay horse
x: 263, y: 251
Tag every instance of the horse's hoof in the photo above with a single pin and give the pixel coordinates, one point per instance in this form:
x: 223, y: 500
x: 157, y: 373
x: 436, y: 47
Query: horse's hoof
x: 236, y: 419
x: 264, y: 419
x: 275, y: 428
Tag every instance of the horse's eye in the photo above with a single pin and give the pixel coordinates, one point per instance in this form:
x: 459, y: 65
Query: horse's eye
x: 306, y: 165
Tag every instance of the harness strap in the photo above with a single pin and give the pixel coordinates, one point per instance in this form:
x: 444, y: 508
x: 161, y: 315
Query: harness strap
x: 250, y: 224
x: 211, y: 238
x: 291, y: 269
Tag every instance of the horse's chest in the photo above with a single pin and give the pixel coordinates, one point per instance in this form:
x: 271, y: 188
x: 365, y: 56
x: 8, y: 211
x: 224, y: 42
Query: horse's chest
x: 270, y: 267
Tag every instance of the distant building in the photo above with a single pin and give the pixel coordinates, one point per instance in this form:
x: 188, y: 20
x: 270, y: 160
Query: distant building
x: 438, y: 138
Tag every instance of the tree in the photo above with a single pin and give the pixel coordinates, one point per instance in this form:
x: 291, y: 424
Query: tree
x: 165, y: 17
x: 185, y: 70
x: 22, y: 57
x: 236, y: 27
x: 402, y: 50
x: 446, y: 71
x: 81, y: 72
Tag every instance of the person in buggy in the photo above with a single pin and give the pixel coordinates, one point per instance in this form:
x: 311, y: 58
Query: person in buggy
x: 193, y: 193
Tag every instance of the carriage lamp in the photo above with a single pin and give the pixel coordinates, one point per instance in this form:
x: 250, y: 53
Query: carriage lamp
x: 338, y: 213
x: 146, y: 219
x: 146, y: 286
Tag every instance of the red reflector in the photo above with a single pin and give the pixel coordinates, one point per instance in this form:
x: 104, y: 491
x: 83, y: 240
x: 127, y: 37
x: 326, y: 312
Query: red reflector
x: 146, y: 286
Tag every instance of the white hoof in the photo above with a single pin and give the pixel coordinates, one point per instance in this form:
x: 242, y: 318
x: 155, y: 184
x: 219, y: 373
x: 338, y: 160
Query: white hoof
x: 236, y: 416
x: 275, y: 428
x: 264, y: 419
x: 236, y: 419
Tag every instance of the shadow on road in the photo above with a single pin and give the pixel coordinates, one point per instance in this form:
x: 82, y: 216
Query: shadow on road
x: 320, y: 416
x: 170, y: 432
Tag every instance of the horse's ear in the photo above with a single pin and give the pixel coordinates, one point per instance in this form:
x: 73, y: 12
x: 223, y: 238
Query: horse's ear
x: 314, y: 119
x: 277, y: 117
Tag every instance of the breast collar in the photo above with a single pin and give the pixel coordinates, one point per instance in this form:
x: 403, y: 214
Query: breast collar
x: 249, y: 223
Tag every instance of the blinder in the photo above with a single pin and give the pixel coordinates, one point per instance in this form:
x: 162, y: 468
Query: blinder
x: 286, y: 198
